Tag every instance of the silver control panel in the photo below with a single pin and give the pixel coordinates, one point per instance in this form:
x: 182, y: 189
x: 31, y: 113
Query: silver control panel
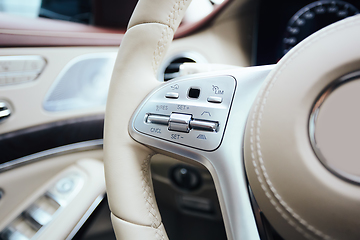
x: 190, y: 112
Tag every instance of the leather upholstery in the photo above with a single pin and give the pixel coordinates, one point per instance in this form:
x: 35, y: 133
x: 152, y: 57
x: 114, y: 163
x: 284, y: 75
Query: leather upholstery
x: 134, y: 211
x: 169, y: 13
x: 298, y: 195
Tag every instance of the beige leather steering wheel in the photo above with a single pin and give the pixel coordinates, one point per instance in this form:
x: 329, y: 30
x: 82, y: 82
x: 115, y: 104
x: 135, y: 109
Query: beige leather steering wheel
x: 135, y: 214
x: 303, y: 197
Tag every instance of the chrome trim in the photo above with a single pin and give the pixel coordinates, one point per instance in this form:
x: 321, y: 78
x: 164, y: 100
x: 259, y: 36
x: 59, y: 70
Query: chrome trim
x: 87, y: 214
x: 10, y: 233
x: 312, y: 124
x: 208, y: 126
x: 71, y: 148
x: 195, y: 56
x: 37, y: 217
x: 158, y: 119
x: 179, y: 122
x: 172, y: 95
x: 5, y: 110
x: 226, y: 163
x: 213, y: 99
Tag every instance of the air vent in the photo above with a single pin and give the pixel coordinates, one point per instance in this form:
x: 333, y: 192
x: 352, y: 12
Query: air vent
x: 170, y: 68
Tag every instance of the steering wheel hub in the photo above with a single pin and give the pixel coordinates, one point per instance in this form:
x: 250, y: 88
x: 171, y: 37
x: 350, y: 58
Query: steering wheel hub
x: 333, y: 127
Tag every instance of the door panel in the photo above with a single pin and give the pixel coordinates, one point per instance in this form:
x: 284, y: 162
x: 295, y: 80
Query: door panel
x: 23, y: 187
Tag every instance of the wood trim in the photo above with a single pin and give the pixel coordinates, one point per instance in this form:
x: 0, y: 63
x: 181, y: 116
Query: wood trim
x: 26, y: 32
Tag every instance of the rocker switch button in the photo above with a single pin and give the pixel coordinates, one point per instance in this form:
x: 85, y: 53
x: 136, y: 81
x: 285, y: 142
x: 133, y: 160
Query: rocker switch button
x: 158, y: 119
x: 201, y: 125
x: 172, y: 95
x: 179, y: 122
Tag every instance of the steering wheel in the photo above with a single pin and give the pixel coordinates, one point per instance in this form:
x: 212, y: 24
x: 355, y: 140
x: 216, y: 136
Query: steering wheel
x: 285, y: 135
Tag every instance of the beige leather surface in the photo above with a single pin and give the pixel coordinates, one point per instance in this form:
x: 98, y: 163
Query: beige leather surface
x: 128, y: 180
x: 226, y: 42
x: 126, y: 230
x: 124, y: 158
x: 298, y: 195
x: 169, y: 13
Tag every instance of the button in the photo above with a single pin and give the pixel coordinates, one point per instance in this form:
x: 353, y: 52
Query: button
x: 65, y: 185
x: 7, y: 65
x: 204, y: 125
x: 158, y: 119
x: 34, y: 65
x: 37, y: 217
x: 194, y: 93
x: 10, y: 233
x: 179, y: 122
x: 21, y: 79
x: 172, y: 95
x: 214, y: 99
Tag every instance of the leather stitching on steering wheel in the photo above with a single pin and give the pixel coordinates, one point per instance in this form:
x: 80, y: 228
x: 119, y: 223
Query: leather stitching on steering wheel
x: 160, y: 49
x: 149, y: 199
x: 258, y: 111
x: 167, y: 33
x: 160, y: 234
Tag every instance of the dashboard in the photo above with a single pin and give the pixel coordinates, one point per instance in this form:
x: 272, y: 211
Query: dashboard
x: 283, y: 24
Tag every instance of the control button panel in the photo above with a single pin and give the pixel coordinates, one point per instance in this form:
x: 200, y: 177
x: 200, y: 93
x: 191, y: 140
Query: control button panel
x: 196, y: 118
x: 20, y: 69
x: 189, y: 124
x: 41, y: 212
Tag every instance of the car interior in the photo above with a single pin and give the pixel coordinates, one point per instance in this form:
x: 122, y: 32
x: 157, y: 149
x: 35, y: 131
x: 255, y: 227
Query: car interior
x: 179, y: 119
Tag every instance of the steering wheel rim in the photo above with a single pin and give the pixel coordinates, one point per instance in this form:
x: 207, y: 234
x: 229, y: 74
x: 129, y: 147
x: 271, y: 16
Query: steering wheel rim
x: 279, y: 145
x: 135, y: 214
x: 134, y: 211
